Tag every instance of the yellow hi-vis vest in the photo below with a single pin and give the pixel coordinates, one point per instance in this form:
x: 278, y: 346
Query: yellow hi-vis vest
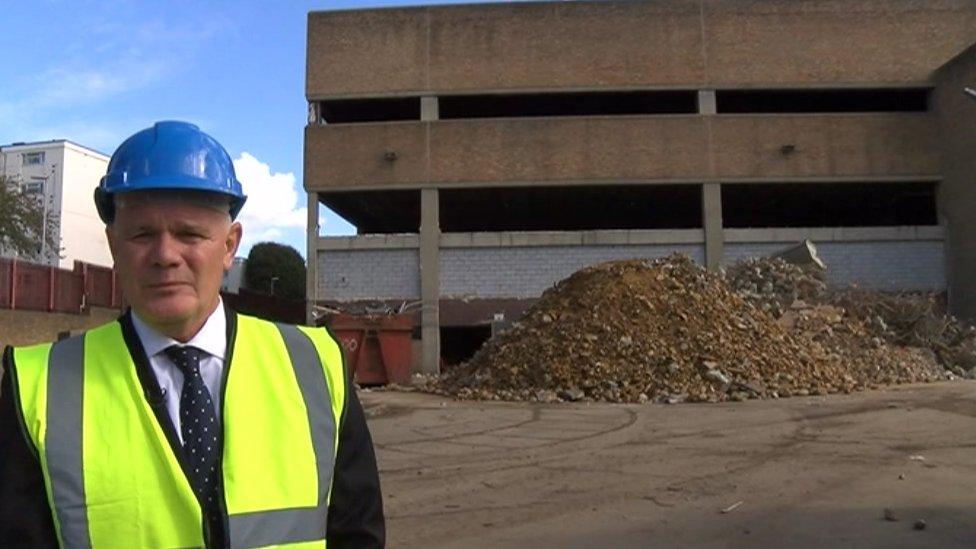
x: 112, y: 478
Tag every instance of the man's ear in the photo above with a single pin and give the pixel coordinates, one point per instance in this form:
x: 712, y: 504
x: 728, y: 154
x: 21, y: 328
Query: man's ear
x: 232, y: 243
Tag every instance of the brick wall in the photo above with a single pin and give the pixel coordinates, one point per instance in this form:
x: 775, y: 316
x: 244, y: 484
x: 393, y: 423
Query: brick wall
x: 369, y: 274
x: 528, y: 271
x: 887, y: 265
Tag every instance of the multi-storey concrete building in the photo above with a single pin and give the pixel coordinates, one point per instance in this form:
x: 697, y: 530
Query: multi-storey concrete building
x: 486, y: 151
x: 63, y: 175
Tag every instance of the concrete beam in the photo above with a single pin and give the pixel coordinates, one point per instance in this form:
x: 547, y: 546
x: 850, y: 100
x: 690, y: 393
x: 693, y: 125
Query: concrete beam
x: 311, y: 257
x: 582, y: 88
x: 712, y: 221
x: 836, y: 234
x: 700, y: 44
x: 370, y: 242
x: 633, y: 149
x: 518, y: 239
x: 855, y: 179
x: 430, y: 325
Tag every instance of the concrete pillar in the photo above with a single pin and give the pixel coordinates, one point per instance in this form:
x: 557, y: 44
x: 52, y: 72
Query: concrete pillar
x: 706, y: 102
x: 429, y: 108
x: 314, y: 113
x: 312, y: 257
x: 711, y: 192
x: 712, y: 222
x: 430, y: 262
x: 955, y: 113
x: 430, y: 284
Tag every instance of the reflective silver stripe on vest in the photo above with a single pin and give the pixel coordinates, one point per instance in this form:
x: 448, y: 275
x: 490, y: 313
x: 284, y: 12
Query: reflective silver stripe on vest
x: 305, y: 524
x: 63, y: 448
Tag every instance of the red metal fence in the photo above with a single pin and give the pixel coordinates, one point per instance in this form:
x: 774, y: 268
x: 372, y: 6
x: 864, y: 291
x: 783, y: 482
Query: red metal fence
x: 267, y: 307
x: 42, y: 288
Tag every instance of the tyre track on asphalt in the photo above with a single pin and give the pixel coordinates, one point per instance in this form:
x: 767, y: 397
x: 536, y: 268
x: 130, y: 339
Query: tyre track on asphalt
x: 469, y: 466
x: 536, y: 414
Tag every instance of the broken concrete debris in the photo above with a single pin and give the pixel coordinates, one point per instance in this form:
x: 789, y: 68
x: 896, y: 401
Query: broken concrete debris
x: 669, y: 331
x: 803, y: 254
x: 732, y: 507
x: 776, y: 285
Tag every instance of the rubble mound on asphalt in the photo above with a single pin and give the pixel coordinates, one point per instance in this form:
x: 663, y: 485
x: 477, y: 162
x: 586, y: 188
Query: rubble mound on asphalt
x: 667, y: 330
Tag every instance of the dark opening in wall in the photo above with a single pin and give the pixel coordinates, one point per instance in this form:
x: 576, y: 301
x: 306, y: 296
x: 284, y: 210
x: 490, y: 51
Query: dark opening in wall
x: 370, y: 110
x: 372, y: 212
x: 571, y: 208
x: 460, y: 343
x: 828, y: 205
x: 799, y: 101
x: 568, y: 104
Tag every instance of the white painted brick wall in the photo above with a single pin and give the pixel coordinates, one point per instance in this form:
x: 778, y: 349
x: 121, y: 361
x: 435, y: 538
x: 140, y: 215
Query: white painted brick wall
x: 369, y: 274
x: 528, y: 271
x: 882, y: 265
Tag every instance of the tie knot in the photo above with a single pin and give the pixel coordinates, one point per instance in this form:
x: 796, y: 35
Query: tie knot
x: 186, y: 358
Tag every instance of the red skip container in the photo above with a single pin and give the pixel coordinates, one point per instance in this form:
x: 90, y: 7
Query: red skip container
x: 377, y: 347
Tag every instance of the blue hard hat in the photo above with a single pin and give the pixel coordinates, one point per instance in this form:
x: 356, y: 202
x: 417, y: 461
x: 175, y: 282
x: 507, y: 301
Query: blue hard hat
x: 170, y: 155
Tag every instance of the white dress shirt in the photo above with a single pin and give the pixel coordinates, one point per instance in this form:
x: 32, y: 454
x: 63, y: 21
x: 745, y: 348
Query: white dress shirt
x: 212, y: 339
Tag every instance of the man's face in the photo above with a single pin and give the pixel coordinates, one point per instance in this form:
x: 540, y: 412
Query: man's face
x: 171, y: 256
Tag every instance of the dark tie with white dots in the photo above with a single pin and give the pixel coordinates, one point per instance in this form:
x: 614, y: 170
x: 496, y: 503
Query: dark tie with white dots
x: 198, y: 424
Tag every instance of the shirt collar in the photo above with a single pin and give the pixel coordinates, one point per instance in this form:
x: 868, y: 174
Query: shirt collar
x: 212, y: 337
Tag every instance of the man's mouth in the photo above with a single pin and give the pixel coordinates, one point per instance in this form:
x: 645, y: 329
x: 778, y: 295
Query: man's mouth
x: 165, y: 285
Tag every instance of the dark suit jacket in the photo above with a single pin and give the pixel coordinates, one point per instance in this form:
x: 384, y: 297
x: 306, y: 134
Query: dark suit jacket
x: 355, y: 510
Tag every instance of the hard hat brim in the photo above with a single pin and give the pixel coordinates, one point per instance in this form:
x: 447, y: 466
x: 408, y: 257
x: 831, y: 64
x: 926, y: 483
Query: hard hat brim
x: 105, y: 201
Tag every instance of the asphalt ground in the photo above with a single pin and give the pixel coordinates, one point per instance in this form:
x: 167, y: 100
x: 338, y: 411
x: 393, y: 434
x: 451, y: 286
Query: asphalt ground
x: 801, y: 472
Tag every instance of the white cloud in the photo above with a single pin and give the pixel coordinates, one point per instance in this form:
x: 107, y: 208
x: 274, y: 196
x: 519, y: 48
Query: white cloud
x: 102, y: 137
x: 72, y: 84
x: 85, y: 75
x: 274, y: 206
x: 272, y: 234
x: 114, y: 50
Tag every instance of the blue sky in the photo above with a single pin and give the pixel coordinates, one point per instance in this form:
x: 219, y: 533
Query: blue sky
x: 95, y: 72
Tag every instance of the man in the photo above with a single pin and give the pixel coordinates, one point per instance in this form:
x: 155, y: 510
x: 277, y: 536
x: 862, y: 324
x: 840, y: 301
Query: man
x: 182, y: 424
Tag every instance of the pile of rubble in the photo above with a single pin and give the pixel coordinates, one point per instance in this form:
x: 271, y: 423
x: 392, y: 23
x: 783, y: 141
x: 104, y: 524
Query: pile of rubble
x: 914, y: 320
x: 669, y: 331
x: 773, y: 284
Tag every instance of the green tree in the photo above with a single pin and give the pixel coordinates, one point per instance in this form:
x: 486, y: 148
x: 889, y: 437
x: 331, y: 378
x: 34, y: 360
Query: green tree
x: 22, y: 220
x: 275, y: 269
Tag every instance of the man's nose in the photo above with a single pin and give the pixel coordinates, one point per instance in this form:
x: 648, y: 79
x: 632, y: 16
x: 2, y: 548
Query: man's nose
x: 165, y: 251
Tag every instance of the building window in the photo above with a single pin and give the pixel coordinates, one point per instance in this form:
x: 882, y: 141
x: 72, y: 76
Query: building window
x: 34, y: 187
x: 33, y: 158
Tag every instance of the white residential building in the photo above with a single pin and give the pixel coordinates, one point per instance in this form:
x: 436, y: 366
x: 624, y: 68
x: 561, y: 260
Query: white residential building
x: 234, y: 277
x: 65, y: 174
